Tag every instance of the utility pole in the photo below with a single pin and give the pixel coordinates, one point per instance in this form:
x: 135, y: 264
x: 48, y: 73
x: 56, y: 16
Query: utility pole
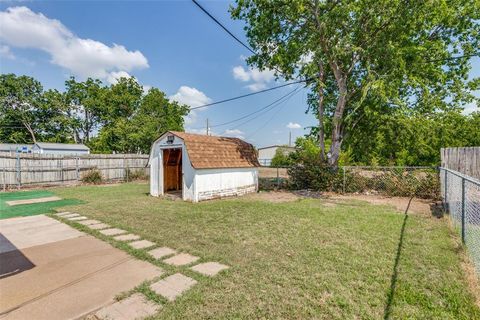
x: 290, y: 139
x: 208, y: 128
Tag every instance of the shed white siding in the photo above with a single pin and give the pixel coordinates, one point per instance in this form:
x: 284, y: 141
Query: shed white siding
x: 200, y: 184
x: 224, y: 182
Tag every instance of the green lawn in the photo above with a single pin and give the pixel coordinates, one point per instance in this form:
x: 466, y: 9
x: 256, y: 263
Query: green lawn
x: 7, y: 211
x: 296, y: 260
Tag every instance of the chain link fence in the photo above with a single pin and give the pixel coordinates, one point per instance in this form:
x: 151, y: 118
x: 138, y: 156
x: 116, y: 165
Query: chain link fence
x: 461, y: 199
x: 420, y: 182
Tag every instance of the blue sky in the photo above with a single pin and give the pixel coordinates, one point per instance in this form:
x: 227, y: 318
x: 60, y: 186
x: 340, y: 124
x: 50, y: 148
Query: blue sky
x: 170, y: 45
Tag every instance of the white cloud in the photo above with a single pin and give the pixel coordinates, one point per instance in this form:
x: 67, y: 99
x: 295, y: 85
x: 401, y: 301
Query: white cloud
x: 259, y: 78
x: 192, y: 97
x: 234, y: 133
x: 23, y: 28
x: 293, y: 125
x: 6, y: 52
x: 469, y: 108
x: 114, y: 76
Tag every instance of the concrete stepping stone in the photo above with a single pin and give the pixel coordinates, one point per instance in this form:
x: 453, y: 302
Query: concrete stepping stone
x: 98, y: 226
x: 89, y: 222
x: 112, y: 231
x: 127, y: 237
x: 31, y: 201
x: 134, y: 307
x: 60, y: 214
x: 77, y: 218
x: 181, y: 259
x: 141, y: 244
x: 71, y: 215
x: 209, y: 268
x: 173, y: 286
x: 159, y: 253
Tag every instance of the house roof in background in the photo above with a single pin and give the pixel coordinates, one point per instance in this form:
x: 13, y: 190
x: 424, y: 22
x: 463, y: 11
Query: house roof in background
x: 13, y: 146
x: 277, y: 146
x: 62, y: 146
x: 210, y: 152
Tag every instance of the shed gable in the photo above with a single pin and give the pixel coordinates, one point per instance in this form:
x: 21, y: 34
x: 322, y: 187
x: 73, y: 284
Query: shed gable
x: 209, y: 152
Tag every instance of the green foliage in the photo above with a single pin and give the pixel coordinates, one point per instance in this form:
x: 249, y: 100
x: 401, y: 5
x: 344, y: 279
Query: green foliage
x: 93, y: 176
x: 367, y: 58
x: 118, y: 118
x: 138, y: 174
x: 281, y: 158
x: 403, y: 139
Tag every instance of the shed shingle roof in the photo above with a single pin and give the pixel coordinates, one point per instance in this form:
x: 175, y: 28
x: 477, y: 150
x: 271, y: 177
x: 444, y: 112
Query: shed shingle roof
x: 208, y: 152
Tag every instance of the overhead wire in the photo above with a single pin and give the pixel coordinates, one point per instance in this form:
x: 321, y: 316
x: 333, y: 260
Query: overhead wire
x: 248, y: 94
x: 270, y: 105
x: 271, y: 118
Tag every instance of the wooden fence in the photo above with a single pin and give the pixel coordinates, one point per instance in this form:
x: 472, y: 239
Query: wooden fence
x: 465, y: 160
x: 17, y: 170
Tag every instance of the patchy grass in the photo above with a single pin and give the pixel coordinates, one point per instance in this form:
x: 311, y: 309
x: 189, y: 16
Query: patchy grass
x: 298, y: 259
x: 7, y: 211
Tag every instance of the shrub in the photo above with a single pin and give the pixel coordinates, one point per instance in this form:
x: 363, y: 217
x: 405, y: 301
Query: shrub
x: 312, y: 173
x: 136, y: 174
x: 92, y: 176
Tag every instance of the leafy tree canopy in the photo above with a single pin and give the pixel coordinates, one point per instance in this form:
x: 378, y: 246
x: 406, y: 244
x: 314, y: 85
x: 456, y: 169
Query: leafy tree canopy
x: 118, y: 118
x: 367, y: 58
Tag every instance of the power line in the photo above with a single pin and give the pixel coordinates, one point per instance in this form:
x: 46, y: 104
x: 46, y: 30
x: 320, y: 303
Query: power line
x: 255, y: 112
x: 223, y: 27
x: 248, y: 94
x: 271, y: 118
x: 273, y: 105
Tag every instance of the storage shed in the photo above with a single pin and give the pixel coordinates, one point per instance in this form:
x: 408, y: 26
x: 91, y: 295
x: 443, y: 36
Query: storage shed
x: 202, y: 167
x: 60, y: 148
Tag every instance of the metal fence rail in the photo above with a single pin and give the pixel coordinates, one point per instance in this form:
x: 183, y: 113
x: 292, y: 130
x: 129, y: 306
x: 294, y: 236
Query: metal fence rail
x: 461, y: 199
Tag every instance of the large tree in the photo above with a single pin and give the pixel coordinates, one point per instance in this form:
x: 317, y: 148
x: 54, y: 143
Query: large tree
x: 20, y: 98
x: 85, y: 107
x: 366, y: 57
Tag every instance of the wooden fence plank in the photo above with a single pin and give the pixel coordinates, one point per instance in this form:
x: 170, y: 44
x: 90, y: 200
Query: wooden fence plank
x: 38, y: 169
x: 465, y: 160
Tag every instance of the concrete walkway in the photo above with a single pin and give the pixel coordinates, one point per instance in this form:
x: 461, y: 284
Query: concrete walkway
x: 52, y: 271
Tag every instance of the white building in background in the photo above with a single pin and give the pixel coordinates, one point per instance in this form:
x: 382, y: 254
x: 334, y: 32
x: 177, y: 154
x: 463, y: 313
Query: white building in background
x: 16, y: 148
x: 60, y: 148
x: 266, y: 154
x: 202, y: 167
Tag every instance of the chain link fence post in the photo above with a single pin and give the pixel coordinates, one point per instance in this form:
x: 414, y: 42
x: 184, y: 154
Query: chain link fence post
x: 446, y: 191
x: 344, y: 180
x: 463, y: 211
x: 278, y: 179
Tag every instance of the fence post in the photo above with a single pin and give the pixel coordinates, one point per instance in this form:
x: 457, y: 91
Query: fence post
x: 446, y: 190
x: 19, y: 173
x: 128, y: 173
x: 344, y: 179
x: 77, y: 169
x: 278, y: 179
x: 4, y: 179
x: 463, y: 210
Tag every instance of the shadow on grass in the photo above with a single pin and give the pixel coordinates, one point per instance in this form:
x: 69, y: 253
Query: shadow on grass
x: 393, y: 280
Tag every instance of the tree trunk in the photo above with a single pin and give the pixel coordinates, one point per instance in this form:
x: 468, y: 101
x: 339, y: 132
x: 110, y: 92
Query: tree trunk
x: 337, y: 134
x: 320, y: 110
x: 30, y: 130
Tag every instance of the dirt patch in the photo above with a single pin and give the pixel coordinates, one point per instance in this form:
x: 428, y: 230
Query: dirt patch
x: 274, y: 196
x: 419, y: 206
x: 266, y: 172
